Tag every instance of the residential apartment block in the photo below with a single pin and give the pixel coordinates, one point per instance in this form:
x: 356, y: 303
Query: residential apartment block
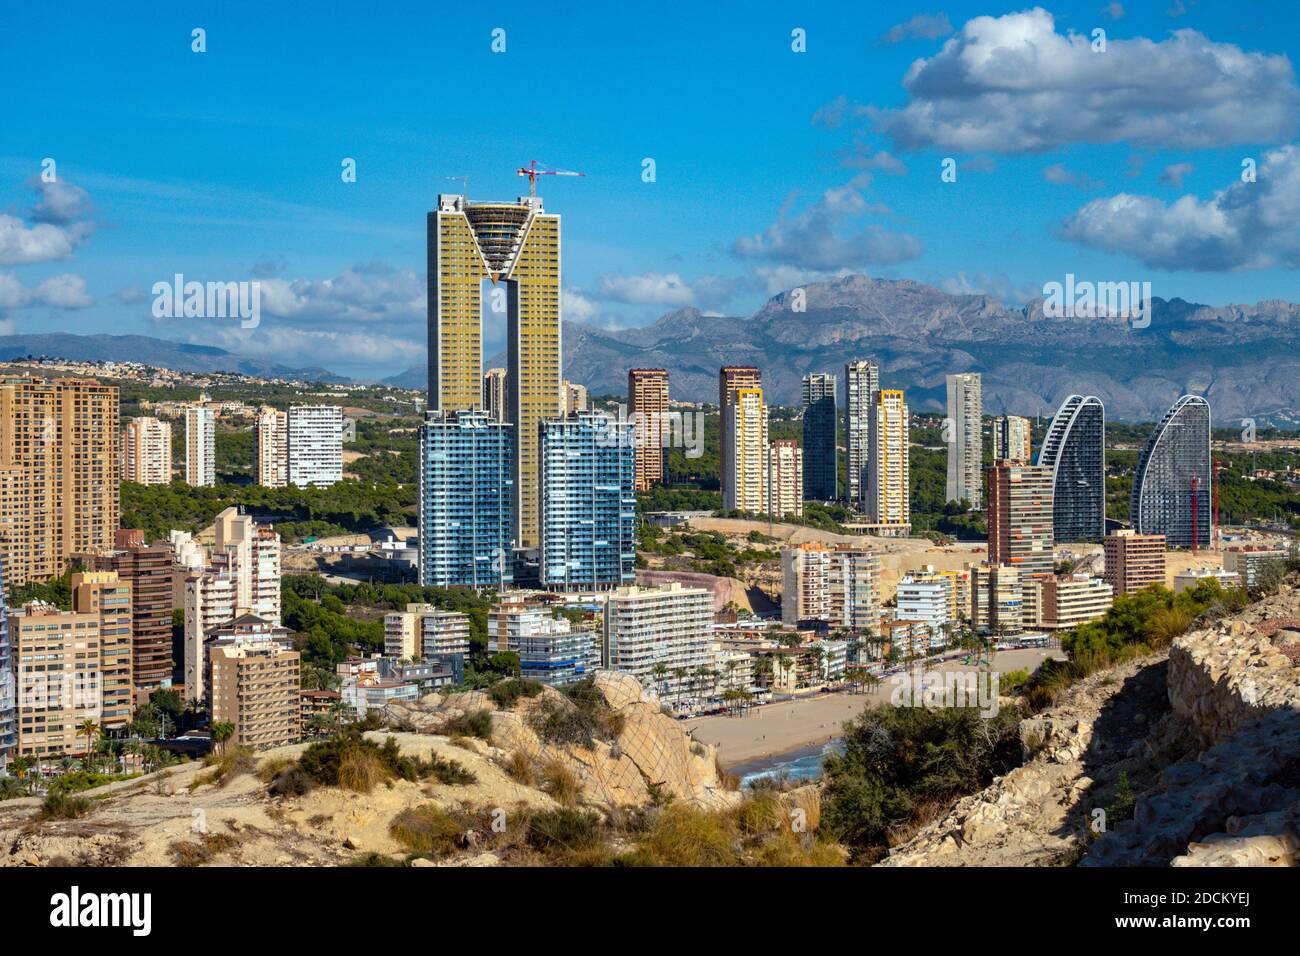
x: 888, y: 490
x: 964, y: 426
x: 59, y: 473
x: 783, y: 483
x: 424, y: 631
x: 647, y: 396
x: 1133, y: 561
x: 200, y: 446
x: 147, y: 452
x: 658, y: 635
x: 836, y: 585
x: 239, y: 575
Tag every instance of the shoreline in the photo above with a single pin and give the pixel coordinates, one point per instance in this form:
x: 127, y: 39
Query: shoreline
x: 786, y: 729
x: 768, y: 761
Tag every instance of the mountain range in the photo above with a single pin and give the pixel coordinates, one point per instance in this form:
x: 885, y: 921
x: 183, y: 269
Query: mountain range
x: 1244, y: 358
x: 147, y: 350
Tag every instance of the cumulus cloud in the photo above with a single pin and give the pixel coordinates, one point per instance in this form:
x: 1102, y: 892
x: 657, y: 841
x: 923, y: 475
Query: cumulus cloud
x: 1247, y: 225
x: 64, y: 291
x: 21, y: 244
x: 650, y: 288
x: 577, y: 306
x: 57, y: 225
x: 365, y: 293
x: 826, y: 236
x: 60, y: 203
x: 131, y: 296
x: 1013, y: 84
x: 923, y: 26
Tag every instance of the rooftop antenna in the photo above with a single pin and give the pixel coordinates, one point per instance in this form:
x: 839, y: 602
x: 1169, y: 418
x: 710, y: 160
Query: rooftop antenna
x: 464, y: 184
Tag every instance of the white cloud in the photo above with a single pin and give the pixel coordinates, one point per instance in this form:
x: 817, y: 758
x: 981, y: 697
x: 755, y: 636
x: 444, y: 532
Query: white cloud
x: 1247, y: 225
x: 825, y: 236
x: 302, y: 346
x: 65, y: 291
x: 22, y: 245
x: 577, y: 306
x: 61, y: 203
x: 363, y: 293
x: 998, y: 286
x: 1058, y: 174
x: 651, y: 288
x: 923, y: 26
x: 1014, y: 84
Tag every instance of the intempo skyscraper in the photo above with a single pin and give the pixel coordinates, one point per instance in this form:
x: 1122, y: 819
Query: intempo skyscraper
x: 508, y: 252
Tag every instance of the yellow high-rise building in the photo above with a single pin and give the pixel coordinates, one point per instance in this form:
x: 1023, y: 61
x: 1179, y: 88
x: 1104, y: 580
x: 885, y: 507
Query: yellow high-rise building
x: 516, y: 247
x: 60, y: 467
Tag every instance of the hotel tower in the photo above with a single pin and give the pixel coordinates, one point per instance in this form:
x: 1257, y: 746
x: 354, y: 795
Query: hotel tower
x: 516, y: 247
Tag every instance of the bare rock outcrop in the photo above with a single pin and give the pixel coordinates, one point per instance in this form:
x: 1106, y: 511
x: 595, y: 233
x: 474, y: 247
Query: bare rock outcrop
x: 643, y: 756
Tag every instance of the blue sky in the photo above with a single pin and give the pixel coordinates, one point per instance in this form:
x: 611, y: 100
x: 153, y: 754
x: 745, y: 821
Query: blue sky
x: 773, y: 168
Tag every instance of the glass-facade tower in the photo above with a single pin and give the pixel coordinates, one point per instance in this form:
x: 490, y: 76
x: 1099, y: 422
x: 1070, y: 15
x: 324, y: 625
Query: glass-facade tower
x: 1075, y: 449
x: 466, y: 500
x: 588, y: 505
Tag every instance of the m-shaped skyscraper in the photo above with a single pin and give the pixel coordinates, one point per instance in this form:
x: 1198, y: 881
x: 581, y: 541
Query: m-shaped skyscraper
x: 516, y: 248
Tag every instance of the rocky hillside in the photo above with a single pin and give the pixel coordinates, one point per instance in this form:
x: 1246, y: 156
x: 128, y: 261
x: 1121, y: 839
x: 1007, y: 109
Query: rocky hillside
x: 1185, y: 759
x: 477, y: 781
x: 1237, y: 356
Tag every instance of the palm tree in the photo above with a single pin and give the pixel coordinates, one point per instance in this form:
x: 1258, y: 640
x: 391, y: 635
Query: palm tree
x: 90, y: 730
x: 222, y: 731
x: 660, y: 671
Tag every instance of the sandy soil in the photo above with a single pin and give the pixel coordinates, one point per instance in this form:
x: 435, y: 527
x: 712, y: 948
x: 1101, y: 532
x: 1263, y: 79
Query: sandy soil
x: 782, y: 728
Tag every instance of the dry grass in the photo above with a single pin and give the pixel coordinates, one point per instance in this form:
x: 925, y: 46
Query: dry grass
x: 688, y: 836
x: 269, y: 768
x: 426, y: 830
x: 208, y: 847
x: 361, y: 770
x: 520, y: 768
x: 561, y: 783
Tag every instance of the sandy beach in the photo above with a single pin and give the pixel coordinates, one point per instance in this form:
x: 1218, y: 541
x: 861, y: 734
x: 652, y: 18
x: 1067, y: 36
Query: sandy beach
x: 789, y: 726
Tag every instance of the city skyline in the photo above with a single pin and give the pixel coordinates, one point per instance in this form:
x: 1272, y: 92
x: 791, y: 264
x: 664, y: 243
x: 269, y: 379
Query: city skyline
x: 856, y: 187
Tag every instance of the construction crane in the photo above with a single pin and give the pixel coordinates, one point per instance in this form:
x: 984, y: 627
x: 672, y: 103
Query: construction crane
x: 532, y: 172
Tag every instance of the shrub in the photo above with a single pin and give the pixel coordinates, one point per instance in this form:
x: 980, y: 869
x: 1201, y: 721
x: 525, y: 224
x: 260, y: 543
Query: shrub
x: 208, y: 846
x: 290, y: 782
x: 446, y: 771
x: 581, y: 721
x: 564, y: 829
x: 270, y: 768
x: 374, y: 859
x: 507, y: 692
x: 59, y: 805
x: 477, y: 723
x: 760, y: 813
x: 426, y: 830
x: 901, y: 762
x: 229, y: 764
